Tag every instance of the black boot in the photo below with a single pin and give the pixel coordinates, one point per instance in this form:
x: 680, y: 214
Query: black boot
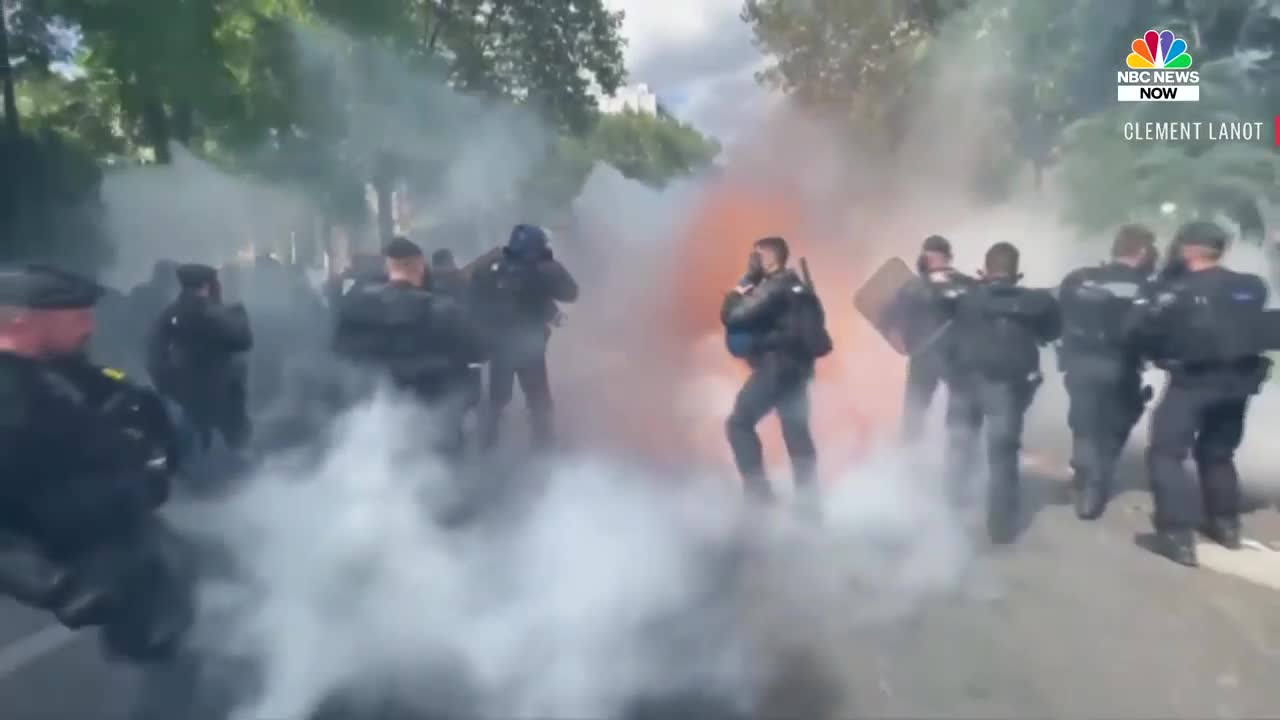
x: 1223, y: 530
x: 1177, y: 545
x: 1002, y: 512
x: 1090, y: 501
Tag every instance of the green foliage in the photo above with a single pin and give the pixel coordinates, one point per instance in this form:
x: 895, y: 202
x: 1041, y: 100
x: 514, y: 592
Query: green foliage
x: 49, y: 207
x: 651, y: 149
x: 863, y: 59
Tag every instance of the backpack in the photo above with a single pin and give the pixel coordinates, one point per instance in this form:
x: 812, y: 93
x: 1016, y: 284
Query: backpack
x: 508, y: 293
x: 739, y: 343
x: 810, y: 325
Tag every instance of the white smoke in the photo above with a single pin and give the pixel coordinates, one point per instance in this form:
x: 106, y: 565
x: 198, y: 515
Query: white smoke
x: 604, y: 586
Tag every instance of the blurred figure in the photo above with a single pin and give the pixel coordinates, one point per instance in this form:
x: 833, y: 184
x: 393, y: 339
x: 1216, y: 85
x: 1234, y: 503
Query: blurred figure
x: 993, y: 372
x: 447, y: 279
x: 364, y: 269
x: 515, y: 298
x: 1102, y: 369
x: 154, y: 295
x: 446, y: 276
x: 775, y: 322
x: 422, y: 342
x: 195, y: 356
x: 82, y: 478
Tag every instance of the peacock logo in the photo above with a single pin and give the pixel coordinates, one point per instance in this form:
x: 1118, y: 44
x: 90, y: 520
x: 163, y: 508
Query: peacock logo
x: 1159, y: 51
x: 1158, y: 70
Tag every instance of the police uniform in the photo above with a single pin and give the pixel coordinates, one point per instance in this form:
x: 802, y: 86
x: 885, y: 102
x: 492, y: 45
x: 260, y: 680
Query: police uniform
x: 1102, y: 373
x: 422, y: 342
x: 920, y: 314
x: 1202, y: 328
x: 195, y: 356
x: 515, y: 297
x: 78, y: 490
x: 779, y: 381
x: 993, y: 371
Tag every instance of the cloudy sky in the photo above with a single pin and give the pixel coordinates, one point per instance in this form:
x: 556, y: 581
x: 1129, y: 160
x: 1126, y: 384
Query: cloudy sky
x: 697, y: 56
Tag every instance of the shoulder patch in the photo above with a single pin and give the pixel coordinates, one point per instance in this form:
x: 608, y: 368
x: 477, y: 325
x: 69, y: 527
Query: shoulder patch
x: 114, y: 374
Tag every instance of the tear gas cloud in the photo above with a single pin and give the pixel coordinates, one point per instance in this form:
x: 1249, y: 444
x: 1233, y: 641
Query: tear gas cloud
x: 623, y: 576
x: 608, y: 587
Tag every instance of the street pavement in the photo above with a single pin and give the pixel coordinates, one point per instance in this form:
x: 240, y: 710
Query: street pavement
x: 1075, y: 621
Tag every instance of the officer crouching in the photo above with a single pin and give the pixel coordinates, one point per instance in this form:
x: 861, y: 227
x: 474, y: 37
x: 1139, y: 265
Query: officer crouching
x: 774, y: 321
x: 993, y: 371
x: 79, y: 481
x: 1200, y: 323
x: 421, y: 341
x: 1102, y: 369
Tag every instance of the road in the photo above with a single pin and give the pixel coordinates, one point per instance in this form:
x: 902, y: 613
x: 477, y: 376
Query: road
x: 1075, y: 621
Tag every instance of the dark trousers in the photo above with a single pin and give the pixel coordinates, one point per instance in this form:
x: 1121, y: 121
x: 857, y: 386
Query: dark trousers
x: 528, y: 365
x: 1102, y: 412
x: 973, y: 404
x: 1206, y: 423
x: 773, y: 387
x: 924, y: 374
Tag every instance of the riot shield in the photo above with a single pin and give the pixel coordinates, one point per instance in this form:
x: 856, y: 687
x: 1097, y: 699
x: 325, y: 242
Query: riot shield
x: 876, y: 296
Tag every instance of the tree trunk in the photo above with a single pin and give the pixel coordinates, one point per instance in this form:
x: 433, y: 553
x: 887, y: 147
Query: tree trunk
x: 155, y: 123
x: 11, y: 123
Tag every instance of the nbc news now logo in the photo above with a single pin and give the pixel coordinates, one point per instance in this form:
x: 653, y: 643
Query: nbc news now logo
x: 1159, y: 71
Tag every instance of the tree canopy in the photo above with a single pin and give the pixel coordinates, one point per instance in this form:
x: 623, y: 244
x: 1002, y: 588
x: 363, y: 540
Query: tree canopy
x: 861, y: 62
x: 333, y: 96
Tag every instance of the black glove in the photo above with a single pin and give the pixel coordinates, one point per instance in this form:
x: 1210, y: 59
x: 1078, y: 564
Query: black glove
x: 755, y: 269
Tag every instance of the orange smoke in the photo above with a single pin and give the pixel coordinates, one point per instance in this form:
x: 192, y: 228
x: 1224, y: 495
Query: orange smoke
x: 857, y: 394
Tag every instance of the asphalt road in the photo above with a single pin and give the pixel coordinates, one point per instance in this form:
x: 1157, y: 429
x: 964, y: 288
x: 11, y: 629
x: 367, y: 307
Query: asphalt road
x: 1075, y: 621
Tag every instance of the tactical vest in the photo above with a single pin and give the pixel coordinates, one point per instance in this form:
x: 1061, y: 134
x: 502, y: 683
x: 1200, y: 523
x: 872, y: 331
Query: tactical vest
x: 1214, y: 328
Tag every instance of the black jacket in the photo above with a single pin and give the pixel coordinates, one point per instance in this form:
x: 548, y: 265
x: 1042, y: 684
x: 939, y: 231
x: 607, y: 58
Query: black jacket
x: 510, y: 295
x: 1204, y: 327
x: 419, y: 339
x: 1095, y: 302
x: 921, y: 310
x: 767, y: 314
x: 999, y: 329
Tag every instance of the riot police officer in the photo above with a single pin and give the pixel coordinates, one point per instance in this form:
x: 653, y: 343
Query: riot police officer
x: 421, y: 341
x: 920, y: 315
x: 1102, y: 370
x: 516, y: 297
x: 195, y: 356
x: 993, y: 371
x: 781, y: 321
x: 1200, y: 323
x: 82, y: 472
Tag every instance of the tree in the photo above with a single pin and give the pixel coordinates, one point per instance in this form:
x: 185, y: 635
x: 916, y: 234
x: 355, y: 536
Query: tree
x: 651, y: 149
x: 1108, y: 180
x: 853, y: 59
